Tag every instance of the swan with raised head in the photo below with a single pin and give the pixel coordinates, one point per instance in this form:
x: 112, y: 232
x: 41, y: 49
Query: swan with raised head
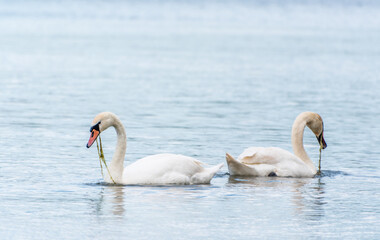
x: 273, y: 161
x: 154, y: 169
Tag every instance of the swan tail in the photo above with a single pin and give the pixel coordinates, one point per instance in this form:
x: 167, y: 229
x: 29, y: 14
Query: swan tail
x: 237, y: 168
x: 215, y: 169
x: 205, y: 176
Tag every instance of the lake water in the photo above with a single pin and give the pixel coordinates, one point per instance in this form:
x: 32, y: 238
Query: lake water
x: 194, y: 78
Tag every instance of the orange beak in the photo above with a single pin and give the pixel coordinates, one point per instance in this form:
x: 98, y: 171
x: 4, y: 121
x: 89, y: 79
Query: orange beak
x: 95, y: 131
x: 93, y: 136
x: 322, y: 141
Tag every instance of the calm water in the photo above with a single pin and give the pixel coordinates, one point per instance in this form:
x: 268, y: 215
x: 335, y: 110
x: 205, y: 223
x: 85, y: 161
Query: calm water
x: 192, y: 78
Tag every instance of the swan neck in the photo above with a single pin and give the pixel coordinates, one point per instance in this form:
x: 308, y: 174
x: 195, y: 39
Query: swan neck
x: 117, y: 163
x: 297, y: 141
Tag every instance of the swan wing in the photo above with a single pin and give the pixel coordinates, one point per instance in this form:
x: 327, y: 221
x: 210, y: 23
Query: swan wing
x: 273, y: 159
x: 168, y: 169
x: 261, y: 155
x: 236, y: 167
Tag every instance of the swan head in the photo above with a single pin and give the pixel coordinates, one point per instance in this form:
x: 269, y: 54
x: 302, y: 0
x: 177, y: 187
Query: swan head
x: 101, y: 122
x: 315, y: 123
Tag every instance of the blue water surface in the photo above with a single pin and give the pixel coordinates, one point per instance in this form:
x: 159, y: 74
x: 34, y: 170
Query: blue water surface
x: 198, y: 78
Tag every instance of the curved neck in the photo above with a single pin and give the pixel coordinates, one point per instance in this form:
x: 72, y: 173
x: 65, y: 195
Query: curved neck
x: 117, y: 164
x: 297, y: 140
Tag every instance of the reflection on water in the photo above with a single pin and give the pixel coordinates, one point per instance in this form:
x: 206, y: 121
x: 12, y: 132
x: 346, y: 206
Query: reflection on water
x: 306, y: 194
x: 111, y: 198
x: 118, y: 200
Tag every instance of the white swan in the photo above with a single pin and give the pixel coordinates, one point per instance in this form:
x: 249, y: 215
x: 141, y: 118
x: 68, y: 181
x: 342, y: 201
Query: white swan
x: 154, y: 169
x: 272, y: 161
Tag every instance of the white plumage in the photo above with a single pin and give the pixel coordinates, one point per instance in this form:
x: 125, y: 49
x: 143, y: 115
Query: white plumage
x: 273, y: 161
x: 154, y: 169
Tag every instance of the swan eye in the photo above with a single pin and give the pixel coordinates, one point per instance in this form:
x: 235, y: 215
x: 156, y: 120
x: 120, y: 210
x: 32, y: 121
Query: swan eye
x: 96, y: 127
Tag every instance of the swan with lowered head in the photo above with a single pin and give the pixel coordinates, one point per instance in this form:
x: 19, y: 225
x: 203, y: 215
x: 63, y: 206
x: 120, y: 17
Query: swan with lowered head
x: 273, y: 161
x: 154, y: 169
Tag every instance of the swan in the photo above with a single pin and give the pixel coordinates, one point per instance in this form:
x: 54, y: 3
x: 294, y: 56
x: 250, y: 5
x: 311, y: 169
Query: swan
x: 273, y: 161
x: 154, y: 169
